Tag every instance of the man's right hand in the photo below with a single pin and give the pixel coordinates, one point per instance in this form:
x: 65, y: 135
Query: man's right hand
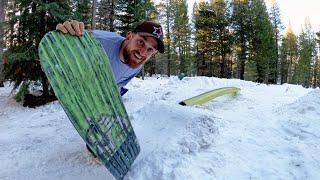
x: 72, y: 27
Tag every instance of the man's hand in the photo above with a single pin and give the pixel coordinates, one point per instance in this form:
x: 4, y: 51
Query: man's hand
x: 72, y: 27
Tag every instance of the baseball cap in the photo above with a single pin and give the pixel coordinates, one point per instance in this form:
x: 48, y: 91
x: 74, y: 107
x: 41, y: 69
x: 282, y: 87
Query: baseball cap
x: 152, y: 29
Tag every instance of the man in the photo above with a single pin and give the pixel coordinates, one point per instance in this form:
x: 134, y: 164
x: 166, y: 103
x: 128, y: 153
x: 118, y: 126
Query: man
x: 127, y: 55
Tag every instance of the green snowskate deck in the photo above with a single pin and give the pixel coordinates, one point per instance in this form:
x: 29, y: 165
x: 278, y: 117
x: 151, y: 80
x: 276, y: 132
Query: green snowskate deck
x: 207, y: 96
x: 81, y: 76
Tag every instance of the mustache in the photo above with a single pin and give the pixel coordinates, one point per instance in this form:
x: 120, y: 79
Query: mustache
x: 131, y: 63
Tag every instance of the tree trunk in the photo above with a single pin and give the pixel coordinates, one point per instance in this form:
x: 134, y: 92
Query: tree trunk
x: 45, y: 85
x: 222, y: 65
x: 44, y: 81
x: 180, y: 55
x: 169, y: 60
x: 169, y: 42
x: 278, y: 61
x: 94, y: 10
x: 242, y: 60
x: 142, y: 73
x: 111, y: 16
x: 3, y: 5
x: 289, y: 74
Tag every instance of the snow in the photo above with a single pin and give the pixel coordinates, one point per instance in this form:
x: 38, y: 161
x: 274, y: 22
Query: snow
x: 263, y: 132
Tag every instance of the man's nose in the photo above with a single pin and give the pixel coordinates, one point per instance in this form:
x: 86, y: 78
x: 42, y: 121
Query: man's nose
x: 143, y: 51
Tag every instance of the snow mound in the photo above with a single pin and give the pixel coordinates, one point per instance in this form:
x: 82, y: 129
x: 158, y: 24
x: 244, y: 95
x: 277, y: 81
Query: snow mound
x: 300, y: 124
x: 169, y: 144
x: 307, y: 105
x: 304, y: 113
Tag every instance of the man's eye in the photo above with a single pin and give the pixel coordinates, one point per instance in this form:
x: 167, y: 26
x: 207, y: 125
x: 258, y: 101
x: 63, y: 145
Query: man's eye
x: 150, y: 50
x: 140, y: 42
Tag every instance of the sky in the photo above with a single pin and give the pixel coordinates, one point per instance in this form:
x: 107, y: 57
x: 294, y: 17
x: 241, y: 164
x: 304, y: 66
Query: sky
x: 296, y: 11
x: 293, y: 11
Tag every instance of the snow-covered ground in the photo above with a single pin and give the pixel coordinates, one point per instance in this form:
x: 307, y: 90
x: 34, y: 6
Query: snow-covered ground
x: 264, y: 132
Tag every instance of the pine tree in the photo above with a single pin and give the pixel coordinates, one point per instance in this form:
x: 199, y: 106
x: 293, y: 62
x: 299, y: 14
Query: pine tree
x: 3, y: 5
x: 102, y: 15
x: 9, y: 24
x: 303, y: 73
x: 106, y: 15
x: 193, y: 40
x: 277, y: 27
x: 318, y: 39
x: 316, y: 76
x: 83, y: 12
x: 131, y: 13
x: 123, y: 18
x: 241, y: 26
x: 94, y: 12
x: 203, y: 17
x: 221, y: 36
x: 181, y: 35
x: 263, y: 43
x: 28, y: 22
x: 166, y: 16
x: 316, y: 73
x: 288, y: 56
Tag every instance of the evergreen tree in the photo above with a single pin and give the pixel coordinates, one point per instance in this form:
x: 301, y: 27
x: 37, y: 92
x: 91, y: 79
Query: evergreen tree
x: 83, y: 12
x: 123, y: 17
x: 130, y: 13
x: 9, y: 25
x: 277, y: 27
x: 203, y: 16
x: 3, y: 5
x: 316, y: 76
x: 318, y: 39
x: 193, y: 39
x: 94, y: 12
x: 28, y: 22
x: 303, y: 73
x: 316, y: 73
x: 106, y: 15
x: 221, y: 36
x: 288, y: 56
x: 166, y: 16
x: 263, y: 43
x: 102, y: 15
x: 242, y: 28
x: 182, y: 35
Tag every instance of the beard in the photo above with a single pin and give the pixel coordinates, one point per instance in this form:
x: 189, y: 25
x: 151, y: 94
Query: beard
x: 130, y: 59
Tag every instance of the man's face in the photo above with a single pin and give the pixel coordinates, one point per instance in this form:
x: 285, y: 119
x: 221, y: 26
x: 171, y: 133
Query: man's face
x: 139, y: 49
